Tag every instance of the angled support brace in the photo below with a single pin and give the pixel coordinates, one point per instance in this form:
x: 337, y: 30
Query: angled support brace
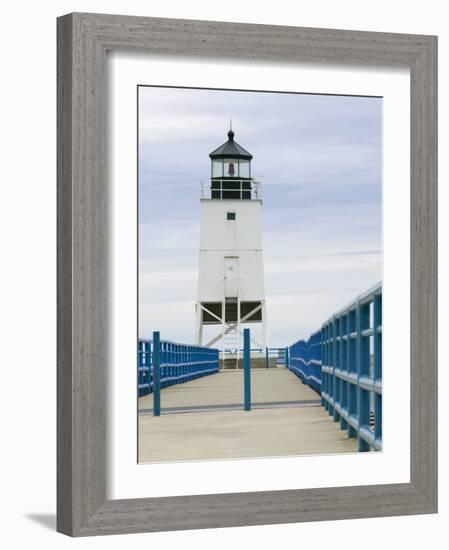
x: 232, y: 326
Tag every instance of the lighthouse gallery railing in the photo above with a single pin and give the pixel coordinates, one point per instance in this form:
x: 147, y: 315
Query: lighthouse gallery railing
x: 343, y: 362
x: 239, y: 187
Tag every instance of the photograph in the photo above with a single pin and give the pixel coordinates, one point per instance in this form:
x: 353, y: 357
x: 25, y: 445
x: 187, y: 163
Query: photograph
x: 260, y: 274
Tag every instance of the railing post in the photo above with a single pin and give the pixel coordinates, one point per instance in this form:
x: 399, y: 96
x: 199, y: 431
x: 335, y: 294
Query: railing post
x: 336, y: 364
x: 330, y: 364
x: 363, y: 404
x: 267, y: 362
x: 147, y: 354
x: 156, y: 374
x: 344, y: 345
x: 323, y: 364
x: 377, y: 375
x: 319, y: 359
x: 140, y: 364
x: 352, y: 368
x: 247, y: 369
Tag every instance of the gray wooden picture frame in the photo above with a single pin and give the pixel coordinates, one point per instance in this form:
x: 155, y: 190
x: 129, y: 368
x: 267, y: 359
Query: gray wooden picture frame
x: 83, y: 40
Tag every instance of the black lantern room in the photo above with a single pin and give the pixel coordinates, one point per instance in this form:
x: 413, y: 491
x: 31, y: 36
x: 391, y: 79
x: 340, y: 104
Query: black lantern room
x: 230, y: 171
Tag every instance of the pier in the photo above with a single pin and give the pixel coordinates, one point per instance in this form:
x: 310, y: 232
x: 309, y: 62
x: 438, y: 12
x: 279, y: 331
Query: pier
x: 324, y: 395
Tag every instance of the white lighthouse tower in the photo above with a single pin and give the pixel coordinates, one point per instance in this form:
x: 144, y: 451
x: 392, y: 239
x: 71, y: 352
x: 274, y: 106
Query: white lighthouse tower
x: 231, y: 274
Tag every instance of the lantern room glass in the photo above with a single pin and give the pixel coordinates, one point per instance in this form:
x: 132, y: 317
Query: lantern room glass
x: 217, y: 168
x: 244, y: 170
x: 231, y: 168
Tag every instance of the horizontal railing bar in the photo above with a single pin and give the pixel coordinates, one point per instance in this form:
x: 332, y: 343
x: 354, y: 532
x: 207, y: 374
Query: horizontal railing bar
x: 369, y: 384
x: 347, y: 376
x: 378, y: 386
x: 351, y: 419
x: 169, y: 342
x: 367, y: 435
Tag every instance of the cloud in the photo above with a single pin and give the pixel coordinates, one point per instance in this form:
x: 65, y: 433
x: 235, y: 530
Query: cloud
x: 320, y: 159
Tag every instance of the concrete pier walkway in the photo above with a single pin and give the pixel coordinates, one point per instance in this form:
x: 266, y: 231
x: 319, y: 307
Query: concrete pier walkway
x: 268, y: 386
x: 204, y: 419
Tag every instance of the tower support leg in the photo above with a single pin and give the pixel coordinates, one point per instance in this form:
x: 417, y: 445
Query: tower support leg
x: 264, y: 326
x: 239, y: 341
x: 223, y: 328
x: 199, y: 324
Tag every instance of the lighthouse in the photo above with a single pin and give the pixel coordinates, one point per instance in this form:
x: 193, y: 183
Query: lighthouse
x: 231, y: 272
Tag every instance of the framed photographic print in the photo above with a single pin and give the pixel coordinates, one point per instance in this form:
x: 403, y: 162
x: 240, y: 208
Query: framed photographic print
x: 246, y: 274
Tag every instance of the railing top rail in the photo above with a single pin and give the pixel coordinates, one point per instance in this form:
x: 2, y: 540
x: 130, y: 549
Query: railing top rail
x: 309, y: 338
x: 150, y: 341
x: 231, y: 350
x: 365, y: 297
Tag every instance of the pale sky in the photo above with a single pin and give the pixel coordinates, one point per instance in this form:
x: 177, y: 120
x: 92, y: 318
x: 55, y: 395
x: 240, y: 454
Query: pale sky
x: 319, y: 159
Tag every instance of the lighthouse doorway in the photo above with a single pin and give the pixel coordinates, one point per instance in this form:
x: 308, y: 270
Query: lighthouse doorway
x: 231, y: 270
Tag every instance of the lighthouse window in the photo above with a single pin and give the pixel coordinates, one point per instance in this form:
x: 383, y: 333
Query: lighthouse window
x: 244, y: 168
x: 217, y: 169
x: 231, y: 168
x: 231, y: 216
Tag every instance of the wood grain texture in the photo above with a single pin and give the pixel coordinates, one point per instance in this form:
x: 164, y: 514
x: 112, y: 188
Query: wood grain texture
x: 424, y: 276
x: 83, y: 40
x: 64, y: 276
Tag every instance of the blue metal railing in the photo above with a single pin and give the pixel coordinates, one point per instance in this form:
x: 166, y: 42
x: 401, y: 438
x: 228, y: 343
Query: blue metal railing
x: 278, y: 354
x: 305, y: 360
x: 179, y: 363
x: 343, y: 362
